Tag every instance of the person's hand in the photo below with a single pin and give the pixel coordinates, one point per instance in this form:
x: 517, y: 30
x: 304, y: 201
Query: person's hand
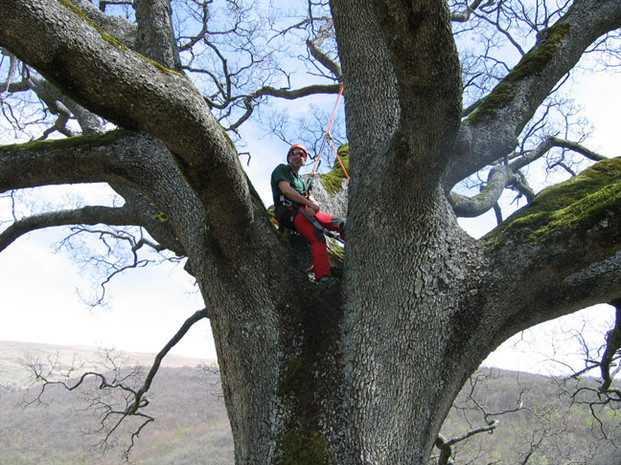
x: 313, y: 206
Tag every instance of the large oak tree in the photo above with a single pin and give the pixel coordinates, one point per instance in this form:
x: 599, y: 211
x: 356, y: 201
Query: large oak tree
x: 364, y: 371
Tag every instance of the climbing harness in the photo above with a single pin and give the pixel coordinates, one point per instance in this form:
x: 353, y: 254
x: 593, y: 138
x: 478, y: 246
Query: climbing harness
x: 327, y: 138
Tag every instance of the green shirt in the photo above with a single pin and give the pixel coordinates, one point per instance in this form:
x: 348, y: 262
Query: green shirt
x: 283, y: 172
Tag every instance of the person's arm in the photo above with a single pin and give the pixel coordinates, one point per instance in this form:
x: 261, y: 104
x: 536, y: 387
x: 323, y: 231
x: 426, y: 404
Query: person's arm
x: 293, y: 195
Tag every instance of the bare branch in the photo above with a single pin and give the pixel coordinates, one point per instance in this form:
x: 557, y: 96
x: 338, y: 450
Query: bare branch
x: 465, y: 15
x: 504, y: 176
x: 314, y: 47
x: 445, y: 445
x: 197, y: 316
x: 133, y: 399
x: 613, y: 344
x: 289, y: 94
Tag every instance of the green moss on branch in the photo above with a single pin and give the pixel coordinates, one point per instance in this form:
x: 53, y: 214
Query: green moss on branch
x: 69, y: 142
x: 579, y: 203
x: 114, y: 41
x: 333, y: 180
x: 532, y: 63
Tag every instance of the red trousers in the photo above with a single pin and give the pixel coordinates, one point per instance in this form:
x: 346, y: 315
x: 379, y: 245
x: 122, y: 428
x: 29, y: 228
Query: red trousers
x: 316, y: 239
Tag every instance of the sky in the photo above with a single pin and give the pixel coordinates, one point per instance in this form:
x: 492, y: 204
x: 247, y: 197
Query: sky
x: 39, y: 288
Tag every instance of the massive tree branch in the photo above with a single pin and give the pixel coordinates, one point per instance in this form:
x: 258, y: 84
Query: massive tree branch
x: 504, y: 175
x: 423, y: 54
x: 134, y: 93
x: 492, y: 130
x: 134, y: 165
x: 85, y: 215
x: 562, y: 252
x: 111, y: 158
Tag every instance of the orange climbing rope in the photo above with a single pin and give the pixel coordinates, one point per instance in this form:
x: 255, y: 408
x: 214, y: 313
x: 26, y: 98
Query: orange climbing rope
x: 327, y: 137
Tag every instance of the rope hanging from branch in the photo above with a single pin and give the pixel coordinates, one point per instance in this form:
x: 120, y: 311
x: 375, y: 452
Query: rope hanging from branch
x: 327, y: 139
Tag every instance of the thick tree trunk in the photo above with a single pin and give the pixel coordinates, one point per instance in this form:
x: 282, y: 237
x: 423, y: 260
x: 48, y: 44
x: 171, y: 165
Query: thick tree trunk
x: 403, y: 334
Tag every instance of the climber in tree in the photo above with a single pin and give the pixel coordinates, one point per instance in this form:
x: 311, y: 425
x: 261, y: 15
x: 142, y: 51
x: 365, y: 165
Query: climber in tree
x: 296, y: 209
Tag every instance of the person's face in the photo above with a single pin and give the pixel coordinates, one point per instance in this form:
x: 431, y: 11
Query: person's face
x: 297, y: 158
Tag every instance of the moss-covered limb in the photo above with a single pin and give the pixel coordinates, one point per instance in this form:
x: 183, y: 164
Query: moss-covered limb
x: 115, y: 26
x: 113, y: 40
x: 557, y: 50
x: 112, y: 157
x: 559, y: 254
x: 532, y: 63
x: 104, y: 34
x: 333, y: 180
x: 492, y: 131
x: 62, y: 161
x: 570, y: 207
x: 68, y: 142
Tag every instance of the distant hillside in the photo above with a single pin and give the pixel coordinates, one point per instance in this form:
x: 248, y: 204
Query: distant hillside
x: 539, y: 426
x: 15, y: 356
x: 190, y: 427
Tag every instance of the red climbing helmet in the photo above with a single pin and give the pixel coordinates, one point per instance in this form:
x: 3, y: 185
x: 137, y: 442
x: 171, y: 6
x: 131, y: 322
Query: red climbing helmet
x: 298, y: 147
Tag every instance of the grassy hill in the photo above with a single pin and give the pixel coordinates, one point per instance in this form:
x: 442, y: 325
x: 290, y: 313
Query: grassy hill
x: 527, y: 419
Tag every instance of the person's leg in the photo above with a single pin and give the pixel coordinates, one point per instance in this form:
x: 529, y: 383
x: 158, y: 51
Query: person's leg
x: 317, y: 242
x: 331, y: 223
